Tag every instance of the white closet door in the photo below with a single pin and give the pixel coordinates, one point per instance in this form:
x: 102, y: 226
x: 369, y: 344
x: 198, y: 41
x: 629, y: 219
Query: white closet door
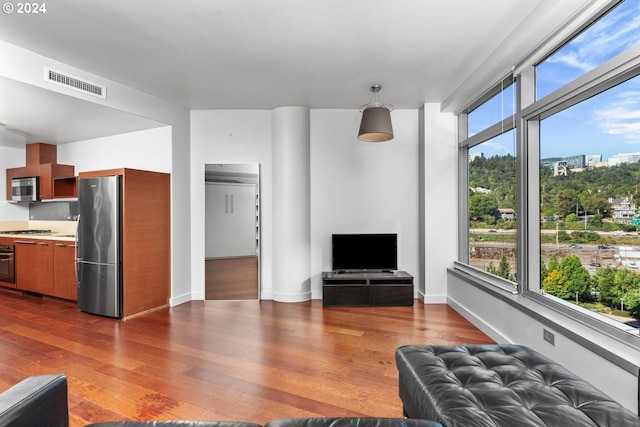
x: 230, y: 223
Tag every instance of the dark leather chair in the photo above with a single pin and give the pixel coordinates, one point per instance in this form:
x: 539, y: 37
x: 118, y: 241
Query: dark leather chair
x: 36, y: 401
x: 42, y: 401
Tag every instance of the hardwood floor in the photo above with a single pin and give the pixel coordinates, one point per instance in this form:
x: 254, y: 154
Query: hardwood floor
x: 221, y: 360
x: 231, y: 278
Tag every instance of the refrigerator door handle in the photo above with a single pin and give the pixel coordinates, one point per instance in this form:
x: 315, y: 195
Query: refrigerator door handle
x: 77, y: 236
x: 78, y: 266
x: 75, y: 249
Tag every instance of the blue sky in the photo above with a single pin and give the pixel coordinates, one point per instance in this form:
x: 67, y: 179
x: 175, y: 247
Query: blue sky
x: 606, y: 124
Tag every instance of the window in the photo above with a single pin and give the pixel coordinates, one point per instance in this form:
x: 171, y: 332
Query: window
x: 492, y: 206
x: 606, y: 38
x: 589, y: 176
x: 572, y: 164
x: 494, y: 110
x: 491, y: 177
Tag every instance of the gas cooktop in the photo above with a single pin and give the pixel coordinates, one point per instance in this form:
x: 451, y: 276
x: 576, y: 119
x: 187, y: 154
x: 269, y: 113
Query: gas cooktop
x: 25, y: 232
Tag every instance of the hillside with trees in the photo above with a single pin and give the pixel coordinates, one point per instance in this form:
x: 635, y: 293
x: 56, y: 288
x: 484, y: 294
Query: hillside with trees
x: 565, y: 202
x: 584, y: 192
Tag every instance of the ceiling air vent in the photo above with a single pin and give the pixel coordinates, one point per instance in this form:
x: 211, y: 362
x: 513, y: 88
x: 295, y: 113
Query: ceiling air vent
x: 66, y: 80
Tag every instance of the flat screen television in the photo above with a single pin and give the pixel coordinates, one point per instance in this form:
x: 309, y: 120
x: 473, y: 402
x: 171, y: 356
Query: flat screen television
x: 371, y: 252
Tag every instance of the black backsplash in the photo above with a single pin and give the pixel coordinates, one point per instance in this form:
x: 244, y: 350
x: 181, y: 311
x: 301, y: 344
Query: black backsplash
x: 54, y: 211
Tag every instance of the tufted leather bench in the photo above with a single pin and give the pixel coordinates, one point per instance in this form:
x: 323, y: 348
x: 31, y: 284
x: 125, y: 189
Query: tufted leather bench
x: 500, y: 385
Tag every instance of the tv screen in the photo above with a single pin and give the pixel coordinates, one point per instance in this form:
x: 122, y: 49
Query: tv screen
x: 364, y: 252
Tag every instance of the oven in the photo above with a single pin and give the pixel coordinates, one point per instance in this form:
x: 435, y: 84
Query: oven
x: 7, y: 264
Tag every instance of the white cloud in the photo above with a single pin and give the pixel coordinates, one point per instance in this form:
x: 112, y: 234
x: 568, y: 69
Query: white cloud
x: 621, y: 114
x: 605, y: 39
x: 572, y: 59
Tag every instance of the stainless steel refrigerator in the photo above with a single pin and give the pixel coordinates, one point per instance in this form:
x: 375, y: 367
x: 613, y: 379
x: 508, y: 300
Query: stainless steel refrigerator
x: 99, y: 259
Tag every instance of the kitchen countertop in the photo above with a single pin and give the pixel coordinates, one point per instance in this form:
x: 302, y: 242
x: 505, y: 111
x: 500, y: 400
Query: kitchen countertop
x: 42, y: 236
x: 55, y: 230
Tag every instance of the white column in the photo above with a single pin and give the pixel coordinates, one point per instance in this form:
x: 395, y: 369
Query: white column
x: 438, y: 200
x: 290, y: 133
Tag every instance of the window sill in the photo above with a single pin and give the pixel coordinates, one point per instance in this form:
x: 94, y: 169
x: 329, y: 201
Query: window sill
x: 595, y: 332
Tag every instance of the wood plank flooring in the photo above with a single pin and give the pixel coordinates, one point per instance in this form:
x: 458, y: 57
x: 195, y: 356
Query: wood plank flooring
x: 231, y: 278
x: 221, y: 360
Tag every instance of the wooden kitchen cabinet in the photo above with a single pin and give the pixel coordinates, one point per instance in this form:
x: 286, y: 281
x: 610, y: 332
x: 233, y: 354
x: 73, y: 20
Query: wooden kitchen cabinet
x: 46, y: 267
x: 56, y: 180
x: 65, y: 284
x: 34, y: 265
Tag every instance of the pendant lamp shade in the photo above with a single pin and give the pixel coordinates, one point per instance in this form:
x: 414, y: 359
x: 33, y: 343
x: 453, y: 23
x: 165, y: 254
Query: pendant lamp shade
x: 375, y: 125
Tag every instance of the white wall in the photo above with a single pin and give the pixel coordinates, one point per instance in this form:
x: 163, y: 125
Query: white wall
x: 362, y: 187
x: 355, y: 186
x: 148, y: 150
x: 11, y: 158
x: 230, y: 136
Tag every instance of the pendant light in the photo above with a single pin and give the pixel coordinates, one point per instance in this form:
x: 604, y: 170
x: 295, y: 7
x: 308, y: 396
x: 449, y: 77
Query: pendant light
x: 375, y: 125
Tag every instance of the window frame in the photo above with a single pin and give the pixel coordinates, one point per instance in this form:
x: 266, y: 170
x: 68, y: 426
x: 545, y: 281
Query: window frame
x: 465, y: 143
x: 526, y: 120
x: 602, y: 78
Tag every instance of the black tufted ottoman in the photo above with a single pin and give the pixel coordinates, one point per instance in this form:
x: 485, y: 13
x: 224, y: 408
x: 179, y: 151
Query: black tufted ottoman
x: 500, y: 385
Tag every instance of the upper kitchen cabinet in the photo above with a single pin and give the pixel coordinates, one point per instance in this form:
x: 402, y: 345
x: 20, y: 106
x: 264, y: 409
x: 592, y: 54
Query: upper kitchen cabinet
x: 56, y: 180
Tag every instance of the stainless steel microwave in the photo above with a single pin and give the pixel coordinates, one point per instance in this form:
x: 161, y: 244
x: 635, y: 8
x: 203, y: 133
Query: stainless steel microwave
x: 25, y: 189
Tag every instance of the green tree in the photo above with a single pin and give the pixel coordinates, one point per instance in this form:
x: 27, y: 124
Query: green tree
x: 624, y: 282
x: 596, y: 220
x: 596, y: 204
x: 604, y: 281
x: 555, y: 283
x: 632, y: 302
x: 482, y: 205
x: 567, y: 202
x: 503, y: 269
x: 578, y: 278
x: 572, y: 217
x: 543, y: 270
x: 553, y: 263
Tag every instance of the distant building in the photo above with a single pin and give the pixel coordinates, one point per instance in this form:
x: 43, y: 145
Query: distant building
x: 473, y: 156
x: 573, y: 162
x: 593, y: 160
x: 507, y: 214
x: 560, y: 168
x: 624, y: 209
x: 480, y: 190
x: 628, y: 257
x: 619, y: 159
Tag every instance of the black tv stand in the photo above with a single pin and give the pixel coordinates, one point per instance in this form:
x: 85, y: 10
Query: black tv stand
x: 362, y: 271
x: 366, y: 288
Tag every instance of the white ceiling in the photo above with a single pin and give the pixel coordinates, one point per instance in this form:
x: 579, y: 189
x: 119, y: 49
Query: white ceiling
x: 29, y: 113
x: 262, y: 54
